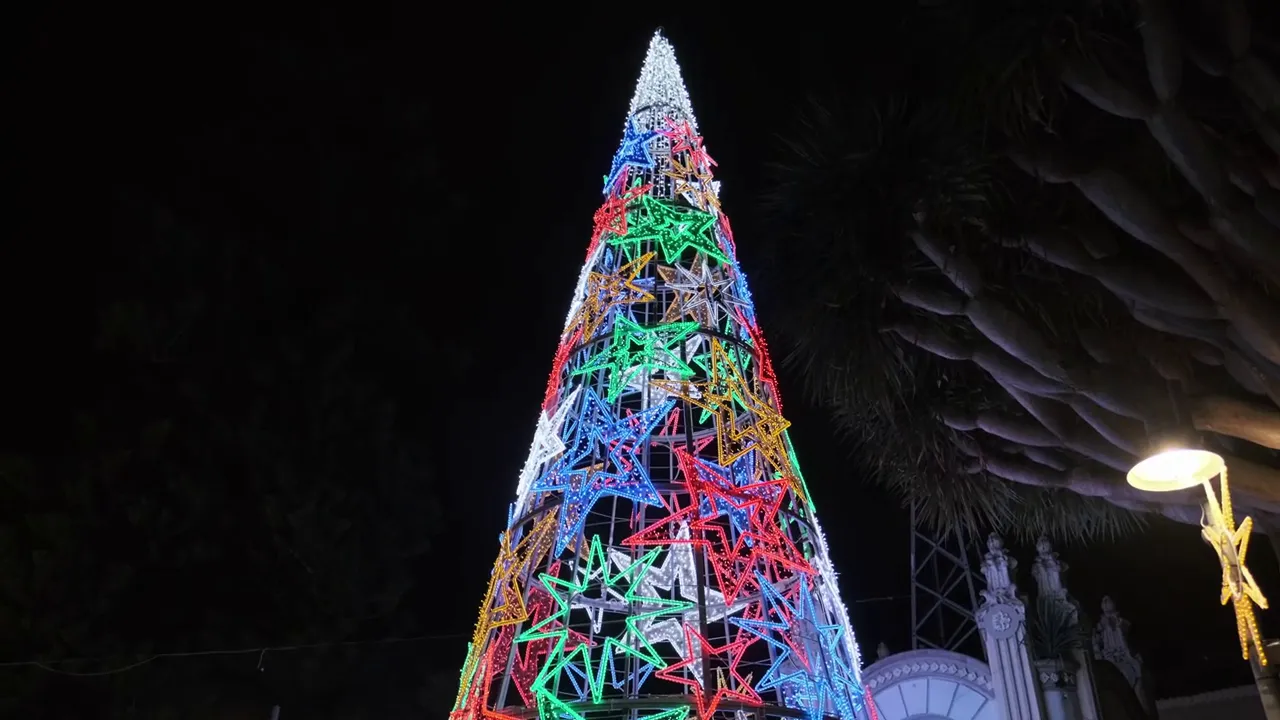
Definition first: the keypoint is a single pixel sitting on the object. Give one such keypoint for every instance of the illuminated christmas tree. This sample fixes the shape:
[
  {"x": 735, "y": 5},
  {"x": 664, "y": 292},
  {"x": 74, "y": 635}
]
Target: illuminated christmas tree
[{"x": 662, "y": 559}]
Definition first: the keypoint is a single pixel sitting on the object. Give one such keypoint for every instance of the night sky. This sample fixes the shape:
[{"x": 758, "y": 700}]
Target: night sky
[{"x": 228, "y": 121}]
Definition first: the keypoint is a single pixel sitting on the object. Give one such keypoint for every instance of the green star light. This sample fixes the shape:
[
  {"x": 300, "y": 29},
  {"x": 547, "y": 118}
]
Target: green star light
[
  {"x": 592, "y": 662},
  {"x": 672, "y": 228},
  {"x": 635, "y": 349}
]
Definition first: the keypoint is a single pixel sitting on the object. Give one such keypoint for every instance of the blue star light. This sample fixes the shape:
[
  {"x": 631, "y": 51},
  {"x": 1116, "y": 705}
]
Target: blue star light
[
  {"x": 634, "y": 150},
  {"x": 808, "y": 668},
  {"x": 739, "y": 476},
  {"x": 601, "y": 458}
]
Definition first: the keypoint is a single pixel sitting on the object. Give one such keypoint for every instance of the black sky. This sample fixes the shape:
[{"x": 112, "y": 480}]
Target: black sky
[{"x": 221, "y": 120}]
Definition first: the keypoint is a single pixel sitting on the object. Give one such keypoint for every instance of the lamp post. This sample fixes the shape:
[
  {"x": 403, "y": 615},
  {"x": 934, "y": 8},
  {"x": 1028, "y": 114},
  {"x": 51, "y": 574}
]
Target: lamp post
[{"x": 1179, "y": 467}]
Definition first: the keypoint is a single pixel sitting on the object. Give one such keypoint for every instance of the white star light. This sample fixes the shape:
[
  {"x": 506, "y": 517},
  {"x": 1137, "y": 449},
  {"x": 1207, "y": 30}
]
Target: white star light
[
  {"x": 547, "y": 445},
  {"x": 661, "y": 83},
  {"x": 702, "y": 293},
  {"x": 678, "y": 568}
]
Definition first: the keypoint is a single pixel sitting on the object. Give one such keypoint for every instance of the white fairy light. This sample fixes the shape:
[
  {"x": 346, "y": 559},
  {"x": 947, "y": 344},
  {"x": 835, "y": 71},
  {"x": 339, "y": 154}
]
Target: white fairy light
[
  {"x": 661, "y": 83},
  {"x": 829, "y": 593},
  {"x": 580, "y": 290},
  {"x": 547, "y": 445}
]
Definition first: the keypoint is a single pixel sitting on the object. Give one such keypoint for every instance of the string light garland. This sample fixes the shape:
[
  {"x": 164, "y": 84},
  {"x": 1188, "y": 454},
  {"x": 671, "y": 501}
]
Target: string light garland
[{"x": 663, "y": 559}]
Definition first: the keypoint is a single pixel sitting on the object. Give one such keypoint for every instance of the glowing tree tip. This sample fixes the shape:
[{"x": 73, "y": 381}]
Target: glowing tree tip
[{"x": 661, "y": 83}]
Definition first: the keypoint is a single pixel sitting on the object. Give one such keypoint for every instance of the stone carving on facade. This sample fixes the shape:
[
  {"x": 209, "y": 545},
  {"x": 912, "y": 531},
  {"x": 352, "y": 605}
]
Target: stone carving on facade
[
  {"x": 1048, "y": 571},
  {"x": 1057, "y": 675},
  {"x": 1111, "y": 643},
  {"x": 1002, "y": 620},
  {"x": 1073, "y": 672},
  {"x": 962, "y": 668}
]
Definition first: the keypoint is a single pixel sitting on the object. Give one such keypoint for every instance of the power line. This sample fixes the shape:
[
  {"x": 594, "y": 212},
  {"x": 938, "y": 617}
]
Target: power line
[{"x": 48, "y": 665}]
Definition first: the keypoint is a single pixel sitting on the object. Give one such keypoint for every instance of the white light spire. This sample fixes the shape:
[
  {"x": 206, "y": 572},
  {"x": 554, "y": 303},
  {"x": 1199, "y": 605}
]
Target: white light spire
[{"x": 660, "y": 82}]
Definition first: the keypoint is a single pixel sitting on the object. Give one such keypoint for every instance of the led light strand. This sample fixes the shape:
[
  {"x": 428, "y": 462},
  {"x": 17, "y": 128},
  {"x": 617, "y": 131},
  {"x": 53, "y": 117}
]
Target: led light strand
[
  {"x": 661, "y": 84},
  {"x": 662, "y": 397}
]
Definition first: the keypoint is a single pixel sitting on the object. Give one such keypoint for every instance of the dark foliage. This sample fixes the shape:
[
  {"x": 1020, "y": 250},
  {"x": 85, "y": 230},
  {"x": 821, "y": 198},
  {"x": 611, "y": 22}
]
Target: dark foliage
[{"x": 924, "y": 145}]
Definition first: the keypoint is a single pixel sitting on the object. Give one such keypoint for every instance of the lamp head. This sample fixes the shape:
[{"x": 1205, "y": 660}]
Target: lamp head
[{"x": 1176, "y": 467}]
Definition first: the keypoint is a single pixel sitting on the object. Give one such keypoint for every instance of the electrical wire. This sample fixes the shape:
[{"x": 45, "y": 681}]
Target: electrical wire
[{"x": 48, "y": 665}]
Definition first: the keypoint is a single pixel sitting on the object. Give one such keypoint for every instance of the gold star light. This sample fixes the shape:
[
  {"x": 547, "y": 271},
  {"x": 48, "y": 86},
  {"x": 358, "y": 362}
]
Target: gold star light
[
  {"x": 721, "y": 394},
  {"x": 605, "y": 291},
  {"x": 1238, "y": 586},
  {"x": 694, "y": 184},
  {"x": 504, "y": 599}
]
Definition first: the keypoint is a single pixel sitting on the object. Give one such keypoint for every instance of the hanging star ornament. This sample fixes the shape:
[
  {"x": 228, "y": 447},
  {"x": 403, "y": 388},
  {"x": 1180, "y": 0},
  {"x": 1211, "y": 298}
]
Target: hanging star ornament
[
  {"x": 695, "y": 186},
  {"x": 527, "y": 664},
  {"x": 610, "y": 219},
  {"x": 1238, "y": 586},
  {"x": 745, "y": 420},
  {"x": 684, "y": 139}
]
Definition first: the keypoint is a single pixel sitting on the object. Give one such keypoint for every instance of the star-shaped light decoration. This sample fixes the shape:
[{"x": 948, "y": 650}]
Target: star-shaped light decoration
[
  {"x": 672, "y": 228},
  {"x": 641, "y": 379},
  {"x": 610, "y": 219},
  {"x": 584, "y": 666},
  {"x": 697, "y": 187},
  {"x": 807, "y": 667},
  {"x": 547, "y": 445},
  {"x": 635, "y": 349},
  {"x": 726, "y": 658},
  {"x": 684, "y": 139},
  {"x": 1238, "y": 586},
  {"x": 473, "y": 702},
  {"x": 604, "y": 292},
  {"x": 634, "y": 151},
  {"x": 736, "y": 561},
  {"x": 600, "y": 458},
  {"x": 735, "y": 557},
  {"x": 526, "y": 664},
  {"x": 759, "y": 426},
  {"x": 677, "y": 571},
  {"x": 739, "y": 481},
  {"x": 503, "y": 602},
  {"x": 701, "y": 293},
  {"x": 580, "y": 289}
]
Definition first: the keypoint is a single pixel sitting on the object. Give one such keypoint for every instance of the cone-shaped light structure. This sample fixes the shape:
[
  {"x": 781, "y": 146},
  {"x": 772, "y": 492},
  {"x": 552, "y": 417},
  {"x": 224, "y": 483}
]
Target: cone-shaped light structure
[{"x": 663, "y": 559}]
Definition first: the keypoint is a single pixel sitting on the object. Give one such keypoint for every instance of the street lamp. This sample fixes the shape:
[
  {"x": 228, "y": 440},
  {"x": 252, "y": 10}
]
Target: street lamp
[{"x": 1179, "y": 465}]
